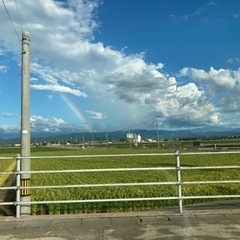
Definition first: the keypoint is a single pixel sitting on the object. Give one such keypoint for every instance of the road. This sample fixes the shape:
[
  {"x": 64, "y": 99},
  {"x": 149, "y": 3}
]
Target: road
[{"x": 220, "y": 220}]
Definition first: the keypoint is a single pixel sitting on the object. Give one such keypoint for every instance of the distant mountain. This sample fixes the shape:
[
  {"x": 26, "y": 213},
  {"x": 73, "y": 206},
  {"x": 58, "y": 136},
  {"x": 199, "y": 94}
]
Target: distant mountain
[{"x": 122, "y": 135}]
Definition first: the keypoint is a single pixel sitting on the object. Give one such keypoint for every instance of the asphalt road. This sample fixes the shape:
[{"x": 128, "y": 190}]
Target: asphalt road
[{"x": 220, "y": 220}]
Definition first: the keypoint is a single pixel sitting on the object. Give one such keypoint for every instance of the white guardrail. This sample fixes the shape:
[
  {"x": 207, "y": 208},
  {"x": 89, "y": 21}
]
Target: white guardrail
[{"x": 179, "y": 183}]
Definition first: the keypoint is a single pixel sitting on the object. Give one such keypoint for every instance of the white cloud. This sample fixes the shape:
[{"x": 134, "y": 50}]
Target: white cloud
[
  {"x": 194, "y": 73},
  {"x": 39, "y": 124},
  {"x": 183, "y": 101},
  {"x": 46, "y": 129},
  {"x": 233, "y": 60},
  {"x": 221, "y": 85},
  {"x": 3, "y": 69},
  {"x": 7, "y": 114},
  {"x": 8, "y": 129},
  {"x": 96, "y": 115},
  {"x": 59, "y": 88},
  {"x": 219, "y": 81},
  {"x": 65, "y": 58},
  {"x": 3, "y": 51},
  {"x": 54, "y": 80}
]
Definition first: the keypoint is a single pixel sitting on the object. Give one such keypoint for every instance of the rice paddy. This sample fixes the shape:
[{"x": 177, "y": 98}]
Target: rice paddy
[{"x": 122, "y": 192}]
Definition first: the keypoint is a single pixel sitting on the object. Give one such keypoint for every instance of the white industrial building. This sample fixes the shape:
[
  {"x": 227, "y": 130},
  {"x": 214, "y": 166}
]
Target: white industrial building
[{"x": 133, "y": 137}]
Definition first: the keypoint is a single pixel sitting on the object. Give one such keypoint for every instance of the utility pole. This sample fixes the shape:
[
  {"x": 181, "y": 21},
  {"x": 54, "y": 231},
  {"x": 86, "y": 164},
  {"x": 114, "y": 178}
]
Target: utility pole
[
  {"x": 189, "y": 131},
  {"x": 92, "y": 140},
  {"x": 25, "y": 125},
  {"x": 106, "y": 139},
  {"x": 157, "y": 125}
]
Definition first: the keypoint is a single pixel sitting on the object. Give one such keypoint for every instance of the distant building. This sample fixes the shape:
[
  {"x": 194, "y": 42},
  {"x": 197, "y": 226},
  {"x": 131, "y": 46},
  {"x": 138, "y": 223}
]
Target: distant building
[{"x": 133, "y": 137}]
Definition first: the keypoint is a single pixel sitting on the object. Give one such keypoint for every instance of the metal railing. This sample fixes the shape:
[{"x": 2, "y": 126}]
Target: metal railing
[{"x": 178, "y": 183}]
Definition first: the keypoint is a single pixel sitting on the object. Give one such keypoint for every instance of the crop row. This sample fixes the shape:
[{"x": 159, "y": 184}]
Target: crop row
[
  {"x": 6, "y": 166},
  {"x": 126, "y": 177},
  {"x": 121, "y": 177}
]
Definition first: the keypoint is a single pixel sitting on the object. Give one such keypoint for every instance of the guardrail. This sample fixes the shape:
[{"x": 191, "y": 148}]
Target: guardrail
[{"x": 178, "y": 183}]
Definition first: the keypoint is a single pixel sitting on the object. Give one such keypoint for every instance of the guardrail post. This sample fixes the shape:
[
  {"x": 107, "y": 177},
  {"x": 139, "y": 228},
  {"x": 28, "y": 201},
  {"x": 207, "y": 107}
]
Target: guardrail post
[
  {"x": 18, "y": 191},
  {"x": 179, "y": 183}
]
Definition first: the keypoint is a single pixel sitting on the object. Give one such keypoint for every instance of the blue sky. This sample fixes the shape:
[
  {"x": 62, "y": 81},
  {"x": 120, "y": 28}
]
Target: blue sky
[{"x": 108, "y": 65}]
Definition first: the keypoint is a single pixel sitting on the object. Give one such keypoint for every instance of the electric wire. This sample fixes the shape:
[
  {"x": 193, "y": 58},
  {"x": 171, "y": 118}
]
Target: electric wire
[
  {"x": 11, "y": 21},
  {"x": 20, "y": 22}
]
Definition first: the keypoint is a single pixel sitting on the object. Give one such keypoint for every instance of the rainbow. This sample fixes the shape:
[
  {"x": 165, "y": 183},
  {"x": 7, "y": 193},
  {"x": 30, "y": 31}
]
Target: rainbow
[{"x": 76, "y": 111}]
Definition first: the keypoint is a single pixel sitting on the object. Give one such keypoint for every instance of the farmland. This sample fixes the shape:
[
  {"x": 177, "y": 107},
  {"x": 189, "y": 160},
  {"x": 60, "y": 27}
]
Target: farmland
[{"x": 149, "y": 161}]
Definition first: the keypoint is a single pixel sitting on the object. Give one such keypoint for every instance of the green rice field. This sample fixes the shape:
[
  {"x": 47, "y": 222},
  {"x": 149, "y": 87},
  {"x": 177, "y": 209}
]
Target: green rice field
[{"x": 151, "y": 161}]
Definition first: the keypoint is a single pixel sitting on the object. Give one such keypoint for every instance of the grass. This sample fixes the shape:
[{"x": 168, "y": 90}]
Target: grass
[
  {"x": 7, "y": 164},
  {"x": 123, "y": 177}
]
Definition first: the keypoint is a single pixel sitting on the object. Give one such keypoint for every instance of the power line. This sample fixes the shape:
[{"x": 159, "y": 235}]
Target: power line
[
  {"x": 18, "y": 15},
  {"x": 11, "y": 21}
]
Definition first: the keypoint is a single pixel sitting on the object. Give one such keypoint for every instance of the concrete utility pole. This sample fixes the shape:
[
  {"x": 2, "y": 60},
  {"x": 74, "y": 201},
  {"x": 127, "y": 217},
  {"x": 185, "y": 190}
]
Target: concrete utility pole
[{"x": 25, "y": 124}]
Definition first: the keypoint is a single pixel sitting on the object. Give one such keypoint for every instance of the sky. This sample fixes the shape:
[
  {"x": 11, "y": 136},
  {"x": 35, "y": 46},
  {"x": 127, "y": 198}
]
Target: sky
[{"x": 112, "y": 65}]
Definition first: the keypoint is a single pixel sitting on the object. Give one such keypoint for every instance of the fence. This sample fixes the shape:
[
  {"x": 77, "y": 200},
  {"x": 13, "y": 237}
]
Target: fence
[{"x": 178, "y": 183}]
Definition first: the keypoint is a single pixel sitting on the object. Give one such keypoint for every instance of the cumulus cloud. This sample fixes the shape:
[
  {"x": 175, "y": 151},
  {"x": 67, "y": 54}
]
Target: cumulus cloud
[
  {"x": 184, "y": 101},
  {"x": 67, "y": 59},
  {"x": 53, "y": 124},
  {"x": 222, "y": 84},
  {"x": 219, "y": 81},
  {"x": 96, "y": 115}
]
